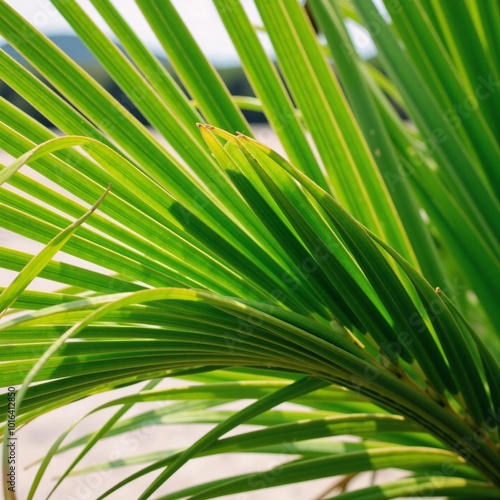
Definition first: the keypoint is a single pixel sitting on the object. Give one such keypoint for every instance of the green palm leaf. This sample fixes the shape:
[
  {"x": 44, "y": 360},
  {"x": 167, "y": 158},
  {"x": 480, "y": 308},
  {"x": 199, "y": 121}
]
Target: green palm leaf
[{"x": 326, "y": 278}]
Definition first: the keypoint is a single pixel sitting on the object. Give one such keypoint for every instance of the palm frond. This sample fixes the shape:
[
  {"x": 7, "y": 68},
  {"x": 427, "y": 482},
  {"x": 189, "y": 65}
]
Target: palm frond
[{"x": 326, "y": 278}]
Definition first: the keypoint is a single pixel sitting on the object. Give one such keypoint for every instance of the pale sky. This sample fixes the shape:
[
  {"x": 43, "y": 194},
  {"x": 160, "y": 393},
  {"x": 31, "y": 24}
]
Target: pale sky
[{"x": 199, "y": 15}]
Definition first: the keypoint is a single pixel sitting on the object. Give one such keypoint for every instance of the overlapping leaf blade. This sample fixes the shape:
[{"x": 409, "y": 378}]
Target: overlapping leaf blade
[{"x": 273, "y": 277}]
